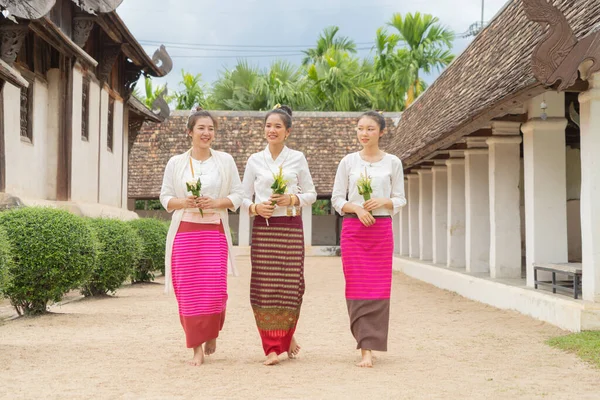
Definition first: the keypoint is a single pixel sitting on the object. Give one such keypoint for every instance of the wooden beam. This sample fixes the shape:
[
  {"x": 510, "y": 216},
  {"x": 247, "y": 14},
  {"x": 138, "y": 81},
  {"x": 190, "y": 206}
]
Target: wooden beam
[
  {"x": 2, "y": 150},
  {"x": 513, "y": 118},
  {"x": 485, "y": 132},
  {"x": 63, "y": 189}
]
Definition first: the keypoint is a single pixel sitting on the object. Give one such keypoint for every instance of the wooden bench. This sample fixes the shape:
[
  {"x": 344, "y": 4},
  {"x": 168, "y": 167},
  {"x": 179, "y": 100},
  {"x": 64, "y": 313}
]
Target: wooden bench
[{"x": 571, "y": 270}]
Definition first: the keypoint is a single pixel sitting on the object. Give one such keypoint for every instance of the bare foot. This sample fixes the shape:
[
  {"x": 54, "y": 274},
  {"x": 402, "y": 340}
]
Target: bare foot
[
  {"x": 367, "y": 359},
  {"x": 271, "y": 359},
  {"x": 198, "y": 358},
  {"x": 294, "y": 348},
  {"x": 210, "y": 347}
]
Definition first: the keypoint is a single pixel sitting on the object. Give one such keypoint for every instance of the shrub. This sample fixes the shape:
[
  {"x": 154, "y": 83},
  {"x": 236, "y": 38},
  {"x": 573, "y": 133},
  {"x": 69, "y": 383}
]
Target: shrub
[
  {"x": 6, "y": 260},
  {"x": 54, "y": 253},
  {"x": 120, "y": 248},
  {"x": 153, "y": 233}
]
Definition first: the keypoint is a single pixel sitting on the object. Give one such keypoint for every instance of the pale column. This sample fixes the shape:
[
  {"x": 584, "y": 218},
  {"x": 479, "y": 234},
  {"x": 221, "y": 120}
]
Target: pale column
[
  {"x": 403, "y": 230},
  {"x": 544, "y": 164},
  {"x": 396, "y": 225},
  {"x": 425, "y": 220},
  {"x": 477, "y": 201},
  {"x": 505, "y": 215},
  {"x": 590, "y": 189},
  {"x": 244, "y": 228},
  {"x": 413, "y": 215},
  {"x": 307, "y": 225},
  {"x": 456, "y": 213},
  {"x": 440, "y": 214}
]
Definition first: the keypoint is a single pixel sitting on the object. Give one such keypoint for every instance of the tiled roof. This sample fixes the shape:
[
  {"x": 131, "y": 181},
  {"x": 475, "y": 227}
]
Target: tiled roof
[
  {"x": 325, "y": 138},
  {"x": 496, "y": 66}
]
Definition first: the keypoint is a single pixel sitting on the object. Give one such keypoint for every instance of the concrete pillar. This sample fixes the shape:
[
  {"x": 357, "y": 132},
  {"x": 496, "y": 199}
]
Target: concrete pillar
[
  {"x": 396, "y": 232},
  {"x": 590, "y": 189},
  {"x": 456, "y": 213},
  {"x": 505, "y": 217},
  {"x": 403, "y": 228},
  {"x": 440, "y": 214},
  {"x": 425, "y": 220},
  {"x": 545, "y": 183},
  {"x": 244, "y": 228},
  {"x": 307, "y": 225},
  {"x": 477, "y": 200},
  {"x": 413, "y": 215}
]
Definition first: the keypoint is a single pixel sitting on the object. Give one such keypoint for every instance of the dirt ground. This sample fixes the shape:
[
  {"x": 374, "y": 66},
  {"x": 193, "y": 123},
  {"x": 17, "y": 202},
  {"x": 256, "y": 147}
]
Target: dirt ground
[{"x": 441, "y": 346}]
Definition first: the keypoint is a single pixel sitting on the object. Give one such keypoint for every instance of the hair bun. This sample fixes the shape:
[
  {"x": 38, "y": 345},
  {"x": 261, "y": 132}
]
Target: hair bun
[
  {"x": 199, "y": 108},
  {"x": 286, "y": 109}
]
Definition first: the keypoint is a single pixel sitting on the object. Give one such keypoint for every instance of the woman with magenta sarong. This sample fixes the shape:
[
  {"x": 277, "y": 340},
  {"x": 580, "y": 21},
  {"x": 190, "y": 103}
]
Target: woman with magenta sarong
[
  {"x": 199, "y": 186},
  {"x": 368, "y": 190}
]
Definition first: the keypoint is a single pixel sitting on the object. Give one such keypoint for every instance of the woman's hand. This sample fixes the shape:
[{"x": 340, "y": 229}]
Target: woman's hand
[
  {"x": 365, "y": 217},
  {"x": 373, "y": 204},
  {"x": 265, "y": 209},
  {"x": 208, "y": 203},
  {"x": 190, "y": 202},
  {"x": 282, "y": 200}
]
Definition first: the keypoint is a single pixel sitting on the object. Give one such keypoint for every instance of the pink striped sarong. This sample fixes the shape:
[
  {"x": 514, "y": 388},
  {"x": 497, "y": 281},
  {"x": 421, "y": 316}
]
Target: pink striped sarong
[
  {"x": 367, "y": 261},
  {"x": 199, "y": 271}
]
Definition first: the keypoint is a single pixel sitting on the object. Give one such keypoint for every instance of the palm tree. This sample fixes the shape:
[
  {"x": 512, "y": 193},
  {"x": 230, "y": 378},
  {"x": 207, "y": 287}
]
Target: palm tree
[
  {"x": 326, "y": 41},
  {"x": 341, "y": 82},
  {"x": 150, "y": 92},
  {"x": 246, "y": 87},
  {"x": 192, "y": 93},
  {"x": 428, "y": 46}
]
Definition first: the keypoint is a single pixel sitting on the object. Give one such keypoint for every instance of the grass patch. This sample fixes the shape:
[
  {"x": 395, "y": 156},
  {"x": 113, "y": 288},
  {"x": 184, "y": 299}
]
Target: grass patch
[{"x": 585, "y": 344}]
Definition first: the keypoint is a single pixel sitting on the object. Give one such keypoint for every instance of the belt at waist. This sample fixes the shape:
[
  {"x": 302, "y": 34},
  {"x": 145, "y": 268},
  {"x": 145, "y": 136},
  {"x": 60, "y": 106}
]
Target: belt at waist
[{"x": 374, "y": 216}]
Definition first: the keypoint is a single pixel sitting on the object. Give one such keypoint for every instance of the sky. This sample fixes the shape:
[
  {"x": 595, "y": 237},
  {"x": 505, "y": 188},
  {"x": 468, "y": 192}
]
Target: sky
[{"x": 208, "y": 36}]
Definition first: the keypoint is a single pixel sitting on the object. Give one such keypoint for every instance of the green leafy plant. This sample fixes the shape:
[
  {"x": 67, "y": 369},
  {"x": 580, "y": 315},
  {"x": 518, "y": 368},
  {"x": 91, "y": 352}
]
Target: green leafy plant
[
  {"x": 364, "y": 186},
  {"x": 6, "y": 260},
  {"x": 153, "y": 233},
  {"x": 279, "y": 185},
  {"x": 194, "y": 187},
  {"x": 119, "y": 252},
  {"x": 55, "y": 252}
]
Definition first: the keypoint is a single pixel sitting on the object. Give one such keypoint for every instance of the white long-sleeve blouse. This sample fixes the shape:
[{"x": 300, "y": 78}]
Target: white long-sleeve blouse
[
  {"x": 387, "y": 181},
  {"x": 258, "y": 178}
]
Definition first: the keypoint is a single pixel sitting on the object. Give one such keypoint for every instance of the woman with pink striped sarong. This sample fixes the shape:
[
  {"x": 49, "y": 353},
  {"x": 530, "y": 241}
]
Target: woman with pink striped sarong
[
  {"x": 198, "y": 250},
  {"x": 367, "y": 241},
  {"x": 277, "y": 250}
]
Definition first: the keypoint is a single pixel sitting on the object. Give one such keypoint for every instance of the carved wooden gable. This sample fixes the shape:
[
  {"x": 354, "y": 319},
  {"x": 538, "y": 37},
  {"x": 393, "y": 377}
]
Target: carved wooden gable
[{"x": 559, "y": 54}]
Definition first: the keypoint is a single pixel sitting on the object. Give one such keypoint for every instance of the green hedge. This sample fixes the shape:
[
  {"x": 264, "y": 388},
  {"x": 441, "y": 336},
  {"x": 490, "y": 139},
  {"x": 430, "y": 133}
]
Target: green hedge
[
  {"x": 55, "y": 252},
  {"x": 120, "y": 249},
  {"x": 153, "y": 233},
  {"x": 6, "y": 259}
]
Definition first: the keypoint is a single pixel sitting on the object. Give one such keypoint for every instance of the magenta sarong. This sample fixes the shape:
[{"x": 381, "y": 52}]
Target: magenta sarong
[
  {"x": 367, "y": 260},
  {"x": 199, "y": 271}
]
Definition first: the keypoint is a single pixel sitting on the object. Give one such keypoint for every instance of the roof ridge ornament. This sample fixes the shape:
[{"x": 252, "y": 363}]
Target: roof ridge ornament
[
  {"x": 161, "y": 55},
  {"x": 26, "y": 9},
  {"x": 97, "y": 6},
  {"x": 557, "y": 57}
]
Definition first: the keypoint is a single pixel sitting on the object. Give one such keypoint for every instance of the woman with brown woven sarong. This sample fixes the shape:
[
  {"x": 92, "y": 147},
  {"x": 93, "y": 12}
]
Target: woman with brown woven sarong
[
  {"x": 277, "y": 249},
  {"x": 367, "y": 240}
]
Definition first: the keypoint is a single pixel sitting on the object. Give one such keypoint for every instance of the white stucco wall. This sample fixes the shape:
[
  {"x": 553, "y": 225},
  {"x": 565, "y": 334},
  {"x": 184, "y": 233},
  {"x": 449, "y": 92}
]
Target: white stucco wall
[
  {"x": 84, "y": 153},
  {"x": 26, "y": 163},
  {"x": 110, "y": 161}
]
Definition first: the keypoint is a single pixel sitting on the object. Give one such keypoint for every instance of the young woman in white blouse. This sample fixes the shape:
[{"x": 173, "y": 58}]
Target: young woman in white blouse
[
  {"x": 198, "y": 250},
  {"x": 277, "y": 251},
  {"x": 367, "y": 240}
]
